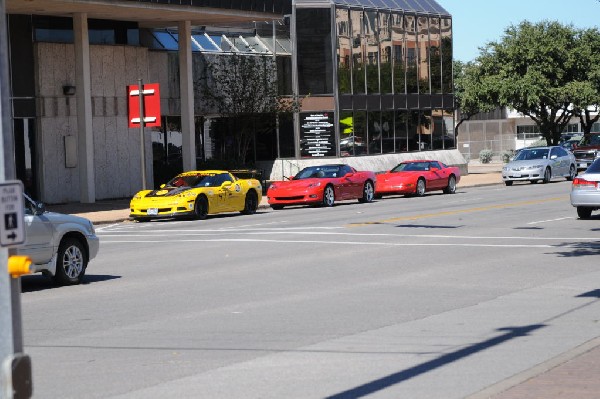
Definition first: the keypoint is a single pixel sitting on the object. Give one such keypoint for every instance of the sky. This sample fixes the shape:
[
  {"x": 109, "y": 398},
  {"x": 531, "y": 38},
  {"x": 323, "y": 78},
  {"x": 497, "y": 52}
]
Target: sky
[{"x": 477, "y": 22}]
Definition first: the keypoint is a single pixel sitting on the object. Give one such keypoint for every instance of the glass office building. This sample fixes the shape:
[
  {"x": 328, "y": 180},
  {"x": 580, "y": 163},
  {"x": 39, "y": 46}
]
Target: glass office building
[{"x": 374, "y": 77}]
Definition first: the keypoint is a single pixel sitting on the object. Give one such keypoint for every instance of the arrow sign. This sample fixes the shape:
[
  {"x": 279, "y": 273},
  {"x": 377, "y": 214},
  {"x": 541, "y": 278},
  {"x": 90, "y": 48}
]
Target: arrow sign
[{"x": 12, "y": 213}]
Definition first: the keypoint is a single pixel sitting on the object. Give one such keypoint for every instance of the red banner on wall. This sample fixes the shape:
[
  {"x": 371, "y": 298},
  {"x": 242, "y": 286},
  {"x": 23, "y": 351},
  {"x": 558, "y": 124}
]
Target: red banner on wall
[{"x": 151, "y": 105}]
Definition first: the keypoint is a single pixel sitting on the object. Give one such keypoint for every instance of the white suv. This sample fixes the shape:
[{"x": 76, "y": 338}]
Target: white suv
[{"x": 60, "y": 246}]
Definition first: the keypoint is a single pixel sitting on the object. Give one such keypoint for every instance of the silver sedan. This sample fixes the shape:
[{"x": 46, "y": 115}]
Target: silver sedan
[
  {"x": 60, "y": 246},
  {"x": 540, "y": 164},
  {"x": 585, "y": 191}
]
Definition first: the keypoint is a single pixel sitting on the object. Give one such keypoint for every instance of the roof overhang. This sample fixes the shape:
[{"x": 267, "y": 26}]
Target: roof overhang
[{"x": 148, "y": 15}]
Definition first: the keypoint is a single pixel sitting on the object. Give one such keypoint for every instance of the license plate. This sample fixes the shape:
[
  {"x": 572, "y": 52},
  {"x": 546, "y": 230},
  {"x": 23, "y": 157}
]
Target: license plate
[
  {"x": 516, "y": 174},
  {"x": 583, "y": 165},
  {"x": 152, "y": 211}
]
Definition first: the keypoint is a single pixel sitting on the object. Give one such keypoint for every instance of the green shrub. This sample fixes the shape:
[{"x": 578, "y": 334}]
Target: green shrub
[
  {"x": 507, "y": 156},
  {"x": 485, "y": 156}
]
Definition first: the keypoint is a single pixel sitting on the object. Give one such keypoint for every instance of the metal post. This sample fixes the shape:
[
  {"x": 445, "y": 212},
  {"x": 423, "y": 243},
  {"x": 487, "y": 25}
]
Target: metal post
[{"x": 142, "y": 143}]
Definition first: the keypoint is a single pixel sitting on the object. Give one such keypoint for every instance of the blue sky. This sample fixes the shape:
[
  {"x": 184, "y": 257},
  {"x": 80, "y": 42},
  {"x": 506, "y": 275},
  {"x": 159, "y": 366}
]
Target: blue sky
[{"x": 477, "y": 22}]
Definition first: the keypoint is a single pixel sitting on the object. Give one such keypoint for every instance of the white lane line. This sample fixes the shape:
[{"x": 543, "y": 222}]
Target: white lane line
[
  {"x": 386, "y": 244},
  {"x": 324, "y": 233},
  {"x": 551, "y": 220}
]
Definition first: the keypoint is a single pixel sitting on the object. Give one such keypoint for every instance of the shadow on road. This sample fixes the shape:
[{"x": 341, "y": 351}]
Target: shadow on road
[{"x": 38, "y": 282}]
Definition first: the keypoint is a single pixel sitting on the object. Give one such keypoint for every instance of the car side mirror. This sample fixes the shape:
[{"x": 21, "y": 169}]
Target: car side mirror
[
  {"x": 349, "y": 174},
  {"x": 433, "y": 169},
  {"x": 39, "y": 209},
  {"x": 226, "y": 184},
  {"x": 553, "y": 157},
  {"x": 162, "y": 185}
]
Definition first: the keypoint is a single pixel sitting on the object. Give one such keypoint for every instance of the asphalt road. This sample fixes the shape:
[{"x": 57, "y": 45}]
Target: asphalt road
[{"x": 434, "y": 297}]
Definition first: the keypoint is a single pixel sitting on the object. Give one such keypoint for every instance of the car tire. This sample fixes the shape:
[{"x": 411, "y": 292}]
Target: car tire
[
  {"x": 71, "y": 262},
  {"x": 201, "y": 208},
  {"x": 250, "y": 203},
  {"x": 276, "y": 207},
  {"x": 583, "y": 212},
  {"x": 572, "y": 173},
  {"x": 420, "y": 189},
  {"x": 451, "y": 187},
  {"x": 328, "y": 196},
  {"x": 508, "y": 183},
  {"x": 368, "y": 192},
  {"x": 547, "y": 176}
]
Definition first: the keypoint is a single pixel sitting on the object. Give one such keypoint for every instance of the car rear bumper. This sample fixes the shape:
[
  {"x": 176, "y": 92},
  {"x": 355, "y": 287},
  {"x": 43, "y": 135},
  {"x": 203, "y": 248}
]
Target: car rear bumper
[{"x": 587, "y": 198}]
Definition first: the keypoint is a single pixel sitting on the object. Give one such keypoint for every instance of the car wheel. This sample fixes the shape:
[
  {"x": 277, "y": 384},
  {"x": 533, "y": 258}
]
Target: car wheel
[
  {"x": 583, "y": 212},
  {"x": 276, "y": 207},
  {"x": 328, "y": 196},
  {"x": 251, "y": 203},
  {"x": 71, "y": 262},
  {"x": 572, "y": 173},
  {"x": 201, "y": 208},
  {"x": 420, "y": 189},
  {"x": 451, "y": 188},
  {"x": 547, "y": 175},
  {"x": 368, "y": 192},
  {"x": 508, "y": 183}
]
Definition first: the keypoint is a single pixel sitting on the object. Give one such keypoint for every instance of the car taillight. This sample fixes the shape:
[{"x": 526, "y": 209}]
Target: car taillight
[{"x": 578, "y": 181}]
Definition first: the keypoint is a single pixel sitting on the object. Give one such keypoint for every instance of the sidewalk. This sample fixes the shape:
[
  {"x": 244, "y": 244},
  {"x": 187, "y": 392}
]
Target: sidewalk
[{"x": 572, "y": 375}]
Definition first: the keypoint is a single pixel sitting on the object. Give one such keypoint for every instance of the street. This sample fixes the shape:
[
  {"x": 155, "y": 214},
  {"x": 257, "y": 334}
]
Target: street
[{"x": 433, "y": 297}]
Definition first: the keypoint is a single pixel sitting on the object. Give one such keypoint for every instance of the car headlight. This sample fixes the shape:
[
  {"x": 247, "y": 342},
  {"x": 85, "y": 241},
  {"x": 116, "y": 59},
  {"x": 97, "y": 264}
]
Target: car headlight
[
  {"x": 505, "y": 168},
  {"x": 137, "y": 196},
  {"x": 315, "y": 184}
]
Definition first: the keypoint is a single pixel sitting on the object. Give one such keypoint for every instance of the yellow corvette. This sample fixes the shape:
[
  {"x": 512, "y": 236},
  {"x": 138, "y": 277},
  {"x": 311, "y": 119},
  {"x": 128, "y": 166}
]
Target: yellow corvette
[{"x": 196, "y": 194}]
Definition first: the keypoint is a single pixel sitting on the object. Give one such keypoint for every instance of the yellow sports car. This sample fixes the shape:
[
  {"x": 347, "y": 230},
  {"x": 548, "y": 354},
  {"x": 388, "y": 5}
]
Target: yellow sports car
[{"x": 196, "y": 194}]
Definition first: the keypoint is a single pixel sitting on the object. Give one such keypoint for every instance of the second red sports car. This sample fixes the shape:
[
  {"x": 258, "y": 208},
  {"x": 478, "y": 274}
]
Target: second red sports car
[
  {"x": 323, "y": 185},
  {"x": 418, "y": 177}
]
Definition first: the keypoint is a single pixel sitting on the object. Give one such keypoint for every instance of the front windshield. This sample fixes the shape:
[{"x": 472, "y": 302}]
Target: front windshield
[
  {"x": 534, "y": 153},
  {"x": 318, "y": 172},
  {"x": 198, "y": 180},
  {"x": 411, "y": 166}
]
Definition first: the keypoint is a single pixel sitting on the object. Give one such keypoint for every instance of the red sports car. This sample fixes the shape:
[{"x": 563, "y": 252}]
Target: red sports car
[
  {"x": 323, "y": 185},
  {"x": 418, "y": 177}
]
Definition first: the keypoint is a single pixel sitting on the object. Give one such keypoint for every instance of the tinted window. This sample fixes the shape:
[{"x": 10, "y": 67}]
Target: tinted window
[{"x": 594, "y": 167}]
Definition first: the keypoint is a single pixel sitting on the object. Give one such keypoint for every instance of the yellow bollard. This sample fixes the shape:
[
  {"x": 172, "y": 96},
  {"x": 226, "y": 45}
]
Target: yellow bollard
[{"x": 18, "y": 265}]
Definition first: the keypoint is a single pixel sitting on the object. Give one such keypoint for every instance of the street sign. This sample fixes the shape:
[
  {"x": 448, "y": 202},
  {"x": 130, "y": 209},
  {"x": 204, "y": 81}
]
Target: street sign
[
  {"x": 151, "y": 104},
  {"x": 12, "y": 219}
]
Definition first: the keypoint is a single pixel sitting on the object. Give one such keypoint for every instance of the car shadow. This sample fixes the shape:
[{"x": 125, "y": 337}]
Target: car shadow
[
  {"x": 428, "y": 226},
  {"x": 577, "y": 249},
  {"x": 38, "y": 282}
]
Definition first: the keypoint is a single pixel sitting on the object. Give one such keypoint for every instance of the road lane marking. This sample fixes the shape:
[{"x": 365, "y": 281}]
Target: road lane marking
[
  {"x": 459, "y": 211},
  {"x": 551, "y": 220},
  {"x": 387, "y": 244}
]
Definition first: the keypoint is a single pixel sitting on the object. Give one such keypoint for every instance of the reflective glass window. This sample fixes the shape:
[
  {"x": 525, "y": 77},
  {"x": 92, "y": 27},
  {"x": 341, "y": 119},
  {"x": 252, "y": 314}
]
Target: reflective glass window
[
  {"x": 315, "y": 66},
  {"x": 374, "y": 132},
  {"x": 344, "y": 50},
  {"x": 399, "y": 53},
  {"x": 387, "y": 132},
  {"x": 358, "y": 56},
  {"x": 435, "y": 55},
  {"x": 446, "y": 35},
  {"x": 346, "y": 133},
  {"x": 371, "y": 26},
  {"x": 401, "y": 135},
  {"x": 423, "y": 54},
  {"x": 411, "y": 54},
  {"x": 385, "y": 52}
]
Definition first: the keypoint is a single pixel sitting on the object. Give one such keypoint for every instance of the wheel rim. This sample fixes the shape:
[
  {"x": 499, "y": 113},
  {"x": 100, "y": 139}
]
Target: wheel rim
[
  {"x": 420, "y": 187},
  {"x": 572, "y": 172},
  {"x": 329, "y": 198},
  {"x": 72, "y": 262},
  {"x": 369, "y": 192}
]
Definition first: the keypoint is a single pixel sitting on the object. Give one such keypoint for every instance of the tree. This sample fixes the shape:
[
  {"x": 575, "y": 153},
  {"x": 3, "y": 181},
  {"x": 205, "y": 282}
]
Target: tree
[
  {"x": 244, "y": 89},
  {"x": 536, "y": 69},
  {"x": 586, "y": 102},
  {"x": 470, "y": 95}
]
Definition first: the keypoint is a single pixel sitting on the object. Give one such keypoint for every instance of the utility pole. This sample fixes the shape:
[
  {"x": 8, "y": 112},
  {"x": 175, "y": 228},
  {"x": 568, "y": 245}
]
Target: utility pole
[{"x": 15, "y": 367}]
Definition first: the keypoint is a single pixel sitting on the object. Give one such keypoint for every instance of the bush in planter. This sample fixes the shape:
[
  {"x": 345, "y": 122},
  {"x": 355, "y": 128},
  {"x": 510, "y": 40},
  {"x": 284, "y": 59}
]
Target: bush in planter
[
  {"x": 485, "y": 156},
  {"x": 507, "y": 156}
]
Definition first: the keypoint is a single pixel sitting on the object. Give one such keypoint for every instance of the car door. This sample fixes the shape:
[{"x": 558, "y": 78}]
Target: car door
[
  {"x": 352, "y": 184},
  {"x": 435, "y": 176},
  {"x": 38, "y": 235},
  {"x": 565, "y": 160}
]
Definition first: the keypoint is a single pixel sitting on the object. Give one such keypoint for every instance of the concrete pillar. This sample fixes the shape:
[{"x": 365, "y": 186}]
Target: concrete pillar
[
  {"x": 83, "y": 87},
  {"x": 186, "y": 85}
]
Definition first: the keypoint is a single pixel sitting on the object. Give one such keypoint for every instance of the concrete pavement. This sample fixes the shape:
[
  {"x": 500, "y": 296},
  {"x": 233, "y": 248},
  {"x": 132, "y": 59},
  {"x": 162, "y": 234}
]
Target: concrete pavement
[{"x": 572, "y": 375}]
